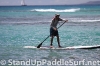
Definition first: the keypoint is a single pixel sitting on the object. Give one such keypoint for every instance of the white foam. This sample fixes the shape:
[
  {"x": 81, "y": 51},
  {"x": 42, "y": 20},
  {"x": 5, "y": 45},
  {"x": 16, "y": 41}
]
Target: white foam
[
  {"x": 29, "y": 47},
  {"x": 90, "y": 20},
  {"x": 55, "y": 10},
  {"x": 83, "y": 20}
]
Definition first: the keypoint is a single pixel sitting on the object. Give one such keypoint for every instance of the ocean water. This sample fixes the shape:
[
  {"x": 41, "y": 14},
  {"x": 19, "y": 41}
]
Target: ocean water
[{"x": 29, "y": 25}]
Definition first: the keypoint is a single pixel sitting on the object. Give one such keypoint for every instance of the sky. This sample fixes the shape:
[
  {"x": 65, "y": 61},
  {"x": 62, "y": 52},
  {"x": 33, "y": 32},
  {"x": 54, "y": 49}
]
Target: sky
[{"x": 44, "y": 2}]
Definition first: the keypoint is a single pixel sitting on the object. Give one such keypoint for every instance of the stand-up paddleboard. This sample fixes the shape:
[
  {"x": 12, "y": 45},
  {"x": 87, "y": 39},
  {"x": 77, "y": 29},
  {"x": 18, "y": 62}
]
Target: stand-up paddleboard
[{"x": 73, "y": 47}]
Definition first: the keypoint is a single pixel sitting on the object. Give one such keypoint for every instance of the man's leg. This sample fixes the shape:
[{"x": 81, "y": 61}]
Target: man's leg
[
  {"x": 51, "y": 41},
  {"x": 58, "y": 40}
]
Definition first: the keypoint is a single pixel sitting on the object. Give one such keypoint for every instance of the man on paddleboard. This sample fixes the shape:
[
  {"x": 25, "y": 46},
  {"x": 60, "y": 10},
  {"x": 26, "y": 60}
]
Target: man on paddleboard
[{"x": 53, "y": 29}]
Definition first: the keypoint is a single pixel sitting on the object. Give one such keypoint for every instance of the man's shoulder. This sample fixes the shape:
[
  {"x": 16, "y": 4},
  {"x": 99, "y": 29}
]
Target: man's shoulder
[{"x": 53, "y": 18}]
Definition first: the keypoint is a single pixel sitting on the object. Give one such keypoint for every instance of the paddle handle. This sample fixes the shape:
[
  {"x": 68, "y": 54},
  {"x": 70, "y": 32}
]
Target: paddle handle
[{"x": 61, "y": 25}]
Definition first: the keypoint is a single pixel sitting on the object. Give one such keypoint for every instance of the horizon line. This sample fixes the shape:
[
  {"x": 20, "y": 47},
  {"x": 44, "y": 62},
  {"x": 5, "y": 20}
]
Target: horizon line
[{"x": 51, "y": 5}]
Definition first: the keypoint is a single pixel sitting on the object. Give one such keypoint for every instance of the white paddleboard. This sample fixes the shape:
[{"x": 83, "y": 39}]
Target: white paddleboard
[{"x": 73, "y": 47}]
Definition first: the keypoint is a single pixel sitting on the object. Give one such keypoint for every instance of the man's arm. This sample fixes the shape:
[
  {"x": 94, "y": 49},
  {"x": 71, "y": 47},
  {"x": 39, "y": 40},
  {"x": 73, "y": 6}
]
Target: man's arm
[{"x": 63, "y": 20}]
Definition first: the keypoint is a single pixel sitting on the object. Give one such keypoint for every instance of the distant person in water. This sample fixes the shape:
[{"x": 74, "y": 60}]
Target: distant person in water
[{"x": 54, "y": 31}]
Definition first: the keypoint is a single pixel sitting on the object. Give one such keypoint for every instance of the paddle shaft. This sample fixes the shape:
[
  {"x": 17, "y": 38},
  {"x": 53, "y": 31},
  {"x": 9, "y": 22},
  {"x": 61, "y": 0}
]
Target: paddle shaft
[{"x": 48, "y": 37}]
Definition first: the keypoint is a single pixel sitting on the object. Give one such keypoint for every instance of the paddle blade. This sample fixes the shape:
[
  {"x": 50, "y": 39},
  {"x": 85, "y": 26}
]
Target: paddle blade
[{"x": 39, "y": 45}]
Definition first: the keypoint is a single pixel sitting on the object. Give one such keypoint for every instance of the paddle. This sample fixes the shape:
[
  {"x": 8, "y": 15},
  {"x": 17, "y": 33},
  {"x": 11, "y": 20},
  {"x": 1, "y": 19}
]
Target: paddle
[{"x": 48, "y": 37}]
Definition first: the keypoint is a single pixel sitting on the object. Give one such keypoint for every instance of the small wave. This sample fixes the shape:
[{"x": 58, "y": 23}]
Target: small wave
[
  {"x": 85, "y": 20},
  {"x": 55, "y": 10},
  {"x": 90, "y": 20},
  {"x": 31, "y": 23}
]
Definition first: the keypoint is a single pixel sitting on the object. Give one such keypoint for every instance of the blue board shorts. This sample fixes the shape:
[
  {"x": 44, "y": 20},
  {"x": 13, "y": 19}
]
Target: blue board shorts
[{"x": 53, "y": 32}]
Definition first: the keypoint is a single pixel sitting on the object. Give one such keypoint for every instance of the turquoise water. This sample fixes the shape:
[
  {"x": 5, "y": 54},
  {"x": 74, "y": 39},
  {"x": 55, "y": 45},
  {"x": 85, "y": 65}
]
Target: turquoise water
[
  {"x": 70, "y": 34},
  {"x": 29, "y": 26}
]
